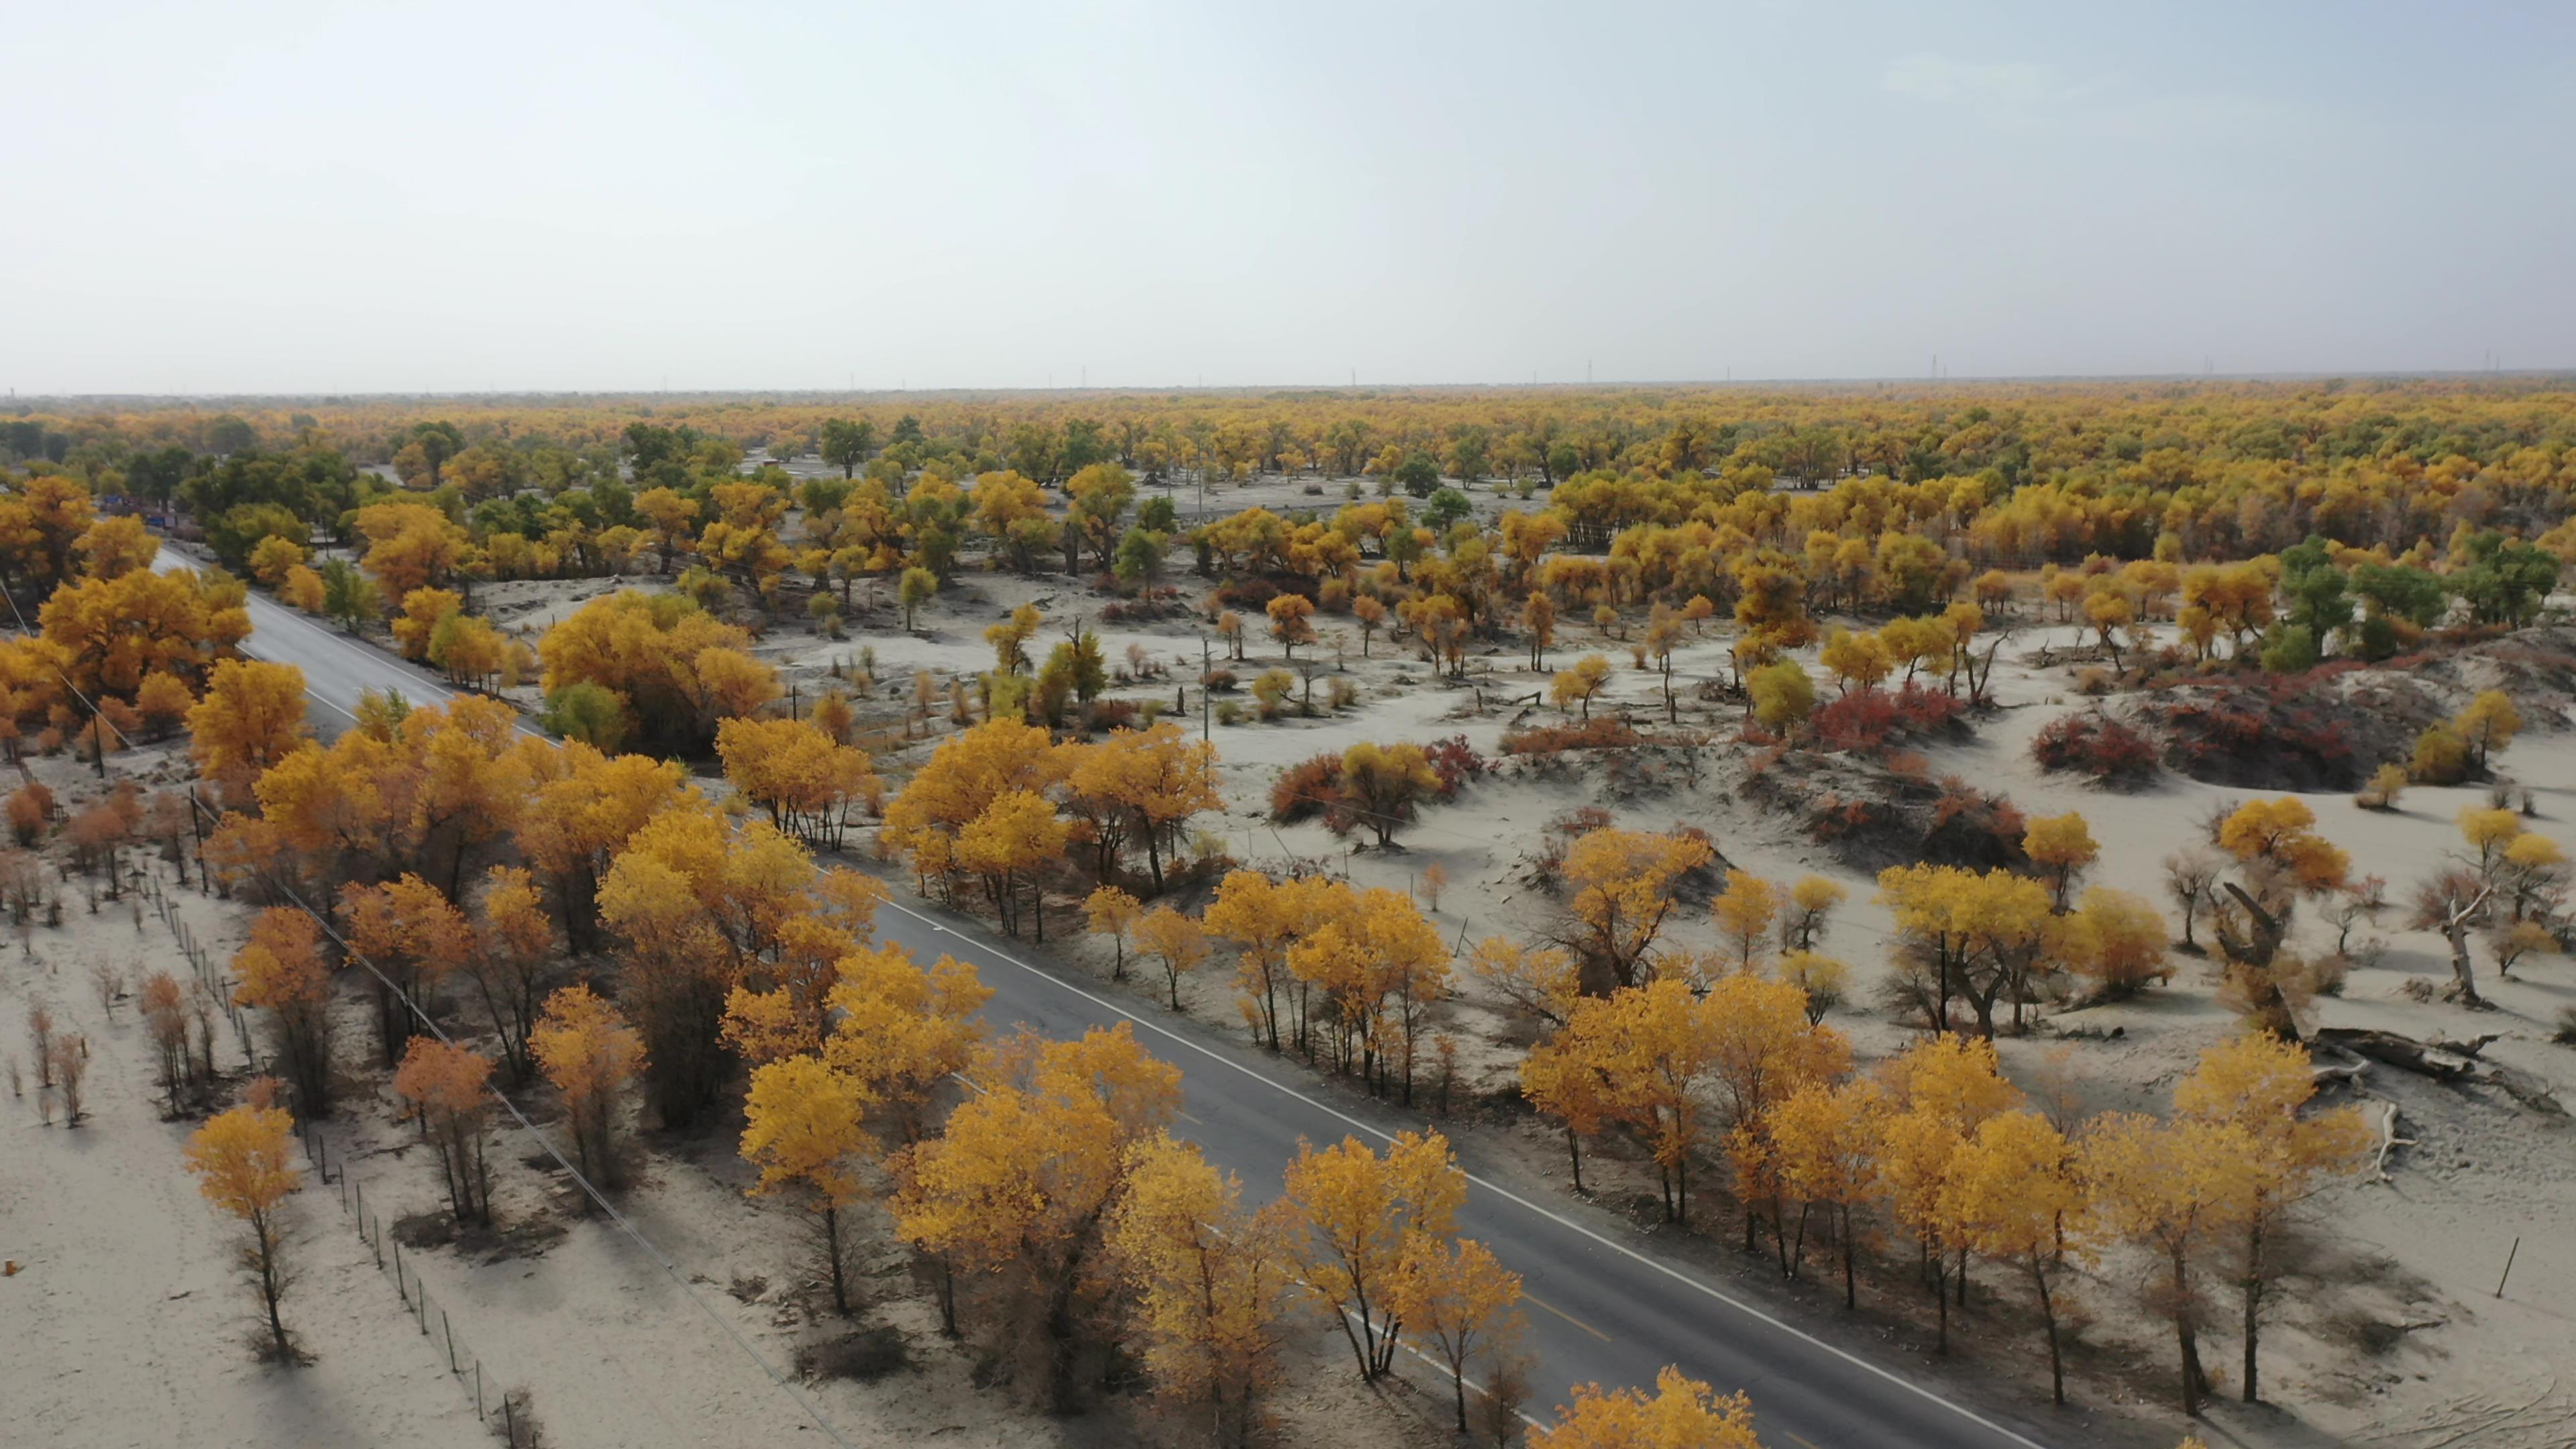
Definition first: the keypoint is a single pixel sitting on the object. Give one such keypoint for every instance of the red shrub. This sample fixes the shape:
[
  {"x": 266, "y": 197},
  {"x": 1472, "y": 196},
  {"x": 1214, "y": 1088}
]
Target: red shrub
[
  {"x": 1306, "y": 790},
  {"x": 1867, "y": 719},
  {"x": 1581, "y": 820},
  {"x": 1455, "y": 761},
  {"x": 2098, "y": 745},
  {"x": 1921, "y": 711},
  {"x": 1110, "y": 714},
  {"x": 1859, "y": 721},
  {"x": 1600, "y": 734}
]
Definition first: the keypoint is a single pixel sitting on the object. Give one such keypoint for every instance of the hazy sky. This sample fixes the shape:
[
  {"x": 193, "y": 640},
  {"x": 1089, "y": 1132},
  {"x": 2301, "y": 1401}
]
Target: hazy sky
[{"x": 294, "y": 196}]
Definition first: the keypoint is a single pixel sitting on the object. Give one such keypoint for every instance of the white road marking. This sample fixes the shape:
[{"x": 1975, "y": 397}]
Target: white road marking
[{"x": 1506, "y": 1194}]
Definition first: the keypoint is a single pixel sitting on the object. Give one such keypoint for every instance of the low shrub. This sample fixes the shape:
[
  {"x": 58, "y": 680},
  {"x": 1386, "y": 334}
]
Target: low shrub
[
  {"x": 2097, "y": 745},
  {"x": 1859, "y": 721},
  {"x": 1455, "y": 761},
  {"x": 1604, "y": 733},
  {"x": 2441, "y": 756},
  {"x": 1111, "y": 714},
  {"x": 1305, "y": 790},
  {"x": 1581, "y": 820},
  {"x": 2275, "y": 736},
  {"x": 1867, "y": 719}
]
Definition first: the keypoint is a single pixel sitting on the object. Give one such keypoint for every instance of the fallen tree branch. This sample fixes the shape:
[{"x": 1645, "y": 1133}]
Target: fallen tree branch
[
  {"x": 2443, "y": 1061},
  {"x": 2438, "y": 1059},
  {"x": 2389, "y": 1141},
  {"x": 2349, "y": 1071},
  {"x": 2525, "y": 1088}
]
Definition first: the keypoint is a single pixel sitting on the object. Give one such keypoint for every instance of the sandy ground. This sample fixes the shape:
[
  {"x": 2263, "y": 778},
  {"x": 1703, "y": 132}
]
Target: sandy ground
[
  {"x": 124, "y": 1268},
  {"x": 126, "y": 1324},
  {"x": 2394, "y": 1338}
]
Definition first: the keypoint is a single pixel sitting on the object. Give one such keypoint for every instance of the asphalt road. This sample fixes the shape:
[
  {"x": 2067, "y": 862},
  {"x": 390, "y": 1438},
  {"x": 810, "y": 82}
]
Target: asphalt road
[
  {"x": 1602, "y": 1306},
  {"x": 337, "y": 669}
]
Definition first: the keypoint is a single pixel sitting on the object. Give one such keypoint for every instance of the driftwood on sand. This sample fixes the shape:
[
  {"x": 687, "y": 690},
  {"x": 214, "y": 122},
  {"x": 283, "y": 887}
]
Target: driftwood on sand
[{"x": 2444, "y": 1061}]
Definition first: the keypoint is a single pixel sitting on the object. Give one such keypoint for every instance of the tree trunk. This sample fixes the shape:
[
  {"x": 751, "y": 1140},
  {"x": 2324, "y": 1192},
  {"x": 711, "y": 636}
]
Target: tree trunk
[
  {"x": 264, "y": 1236},
  {"x": 832, "y": 1245},
  {"x": 2048, "y": 1313},
  {"x": 2253, "y": 1302},
  {"x": 1851, "y": 1283},
  {"x": 2186, "y": 1343},
  {"x": 2455, "y": 929}
]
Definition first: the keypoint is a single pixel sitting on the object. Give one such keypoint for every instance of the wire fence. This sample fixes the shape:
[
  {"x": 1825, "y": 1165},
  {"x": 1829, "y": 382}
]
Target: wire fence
[
  {"x": 277, "y": 888},
  {"x": 201, "y": 964},
  {"x": 505, "y": 1409}
]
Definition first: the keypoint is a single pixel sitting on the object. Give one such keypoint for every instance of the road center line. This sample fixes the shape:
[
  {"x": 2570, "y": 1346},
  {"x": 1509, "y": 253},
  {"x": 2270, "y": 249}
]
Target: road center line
[{"x": 1529, "y": 1297}]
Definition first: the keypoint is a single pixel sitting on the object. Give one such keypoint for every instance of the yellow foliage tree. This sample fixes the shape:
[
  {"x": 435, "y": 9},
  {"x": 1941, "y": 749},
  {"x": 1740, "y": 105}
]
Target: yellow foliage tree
[
  {"x": 1683, "y": 1413},
  {"x": 900, "y": 1032},
  {"x": 1010, "y": 845},
  {"x": 1744, "y": 914},
  {"x": 1539, "y": 983},
  {"x": 1622, "y": 891},
  {"x": 1211, "y": 1280},
  {"x": 1460, "y": 1297},
  {"x": 445, "y": 1085},
  {"x": 244, "y": 1164},
  {"x": 279, "y": 970},
  {"x": 1575, "y": 687},
  {"x": 1357, "y": 1211},
  {"x": 1019, "y": 1188},
  {"x": 251, "y": 717},
  {"x": 2172, "y": 1190},
  {"x": 1175, "y": 942},
  {"x": 1109, "y": 911},
  {"x": 2489, "y": 722},
  {"x": 1823, "y": 1146},
  {"x": 2261, "y": 1086},
  {"x": 2012, "y": 1194},
  {"x": 958, "y": 783},
  {"x": 2062, "y": 848},
  {"x": 801, "y": 1128}
]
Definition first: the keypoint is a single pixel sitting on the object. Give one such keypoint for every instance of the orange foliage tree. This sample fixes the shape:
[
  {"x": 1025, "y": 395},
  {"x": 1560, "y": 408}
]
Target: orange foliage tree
[
  {"x": 445, "y": 1085},
  {"x": 279, "y": 969},
  {"x": 587, "y": 1052}
]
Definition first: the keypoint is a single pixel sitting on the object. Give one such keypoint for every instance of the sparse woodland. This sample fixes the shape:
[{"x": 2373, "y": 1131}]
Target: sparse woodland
[{"x": 660, "y": 918}]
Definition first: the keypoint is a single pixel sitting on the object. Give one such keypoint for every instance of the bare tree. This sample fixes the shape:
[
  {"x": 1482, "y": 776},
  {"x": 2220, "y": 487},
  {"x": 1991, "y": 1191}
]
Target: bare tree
[
  {"x": 108, "y": 980},
  {"x": 40, "y": 1035},
  {"x": 2455, "y": 903},
  {"x": 2192, "y": 877},
  {"x": 71, "y": 1064}
]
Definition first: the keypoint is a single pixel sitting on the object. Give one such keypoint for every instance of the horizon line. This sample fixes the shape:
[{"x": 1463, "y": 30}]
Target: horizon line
[{"x": 1607, "y": 385}]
